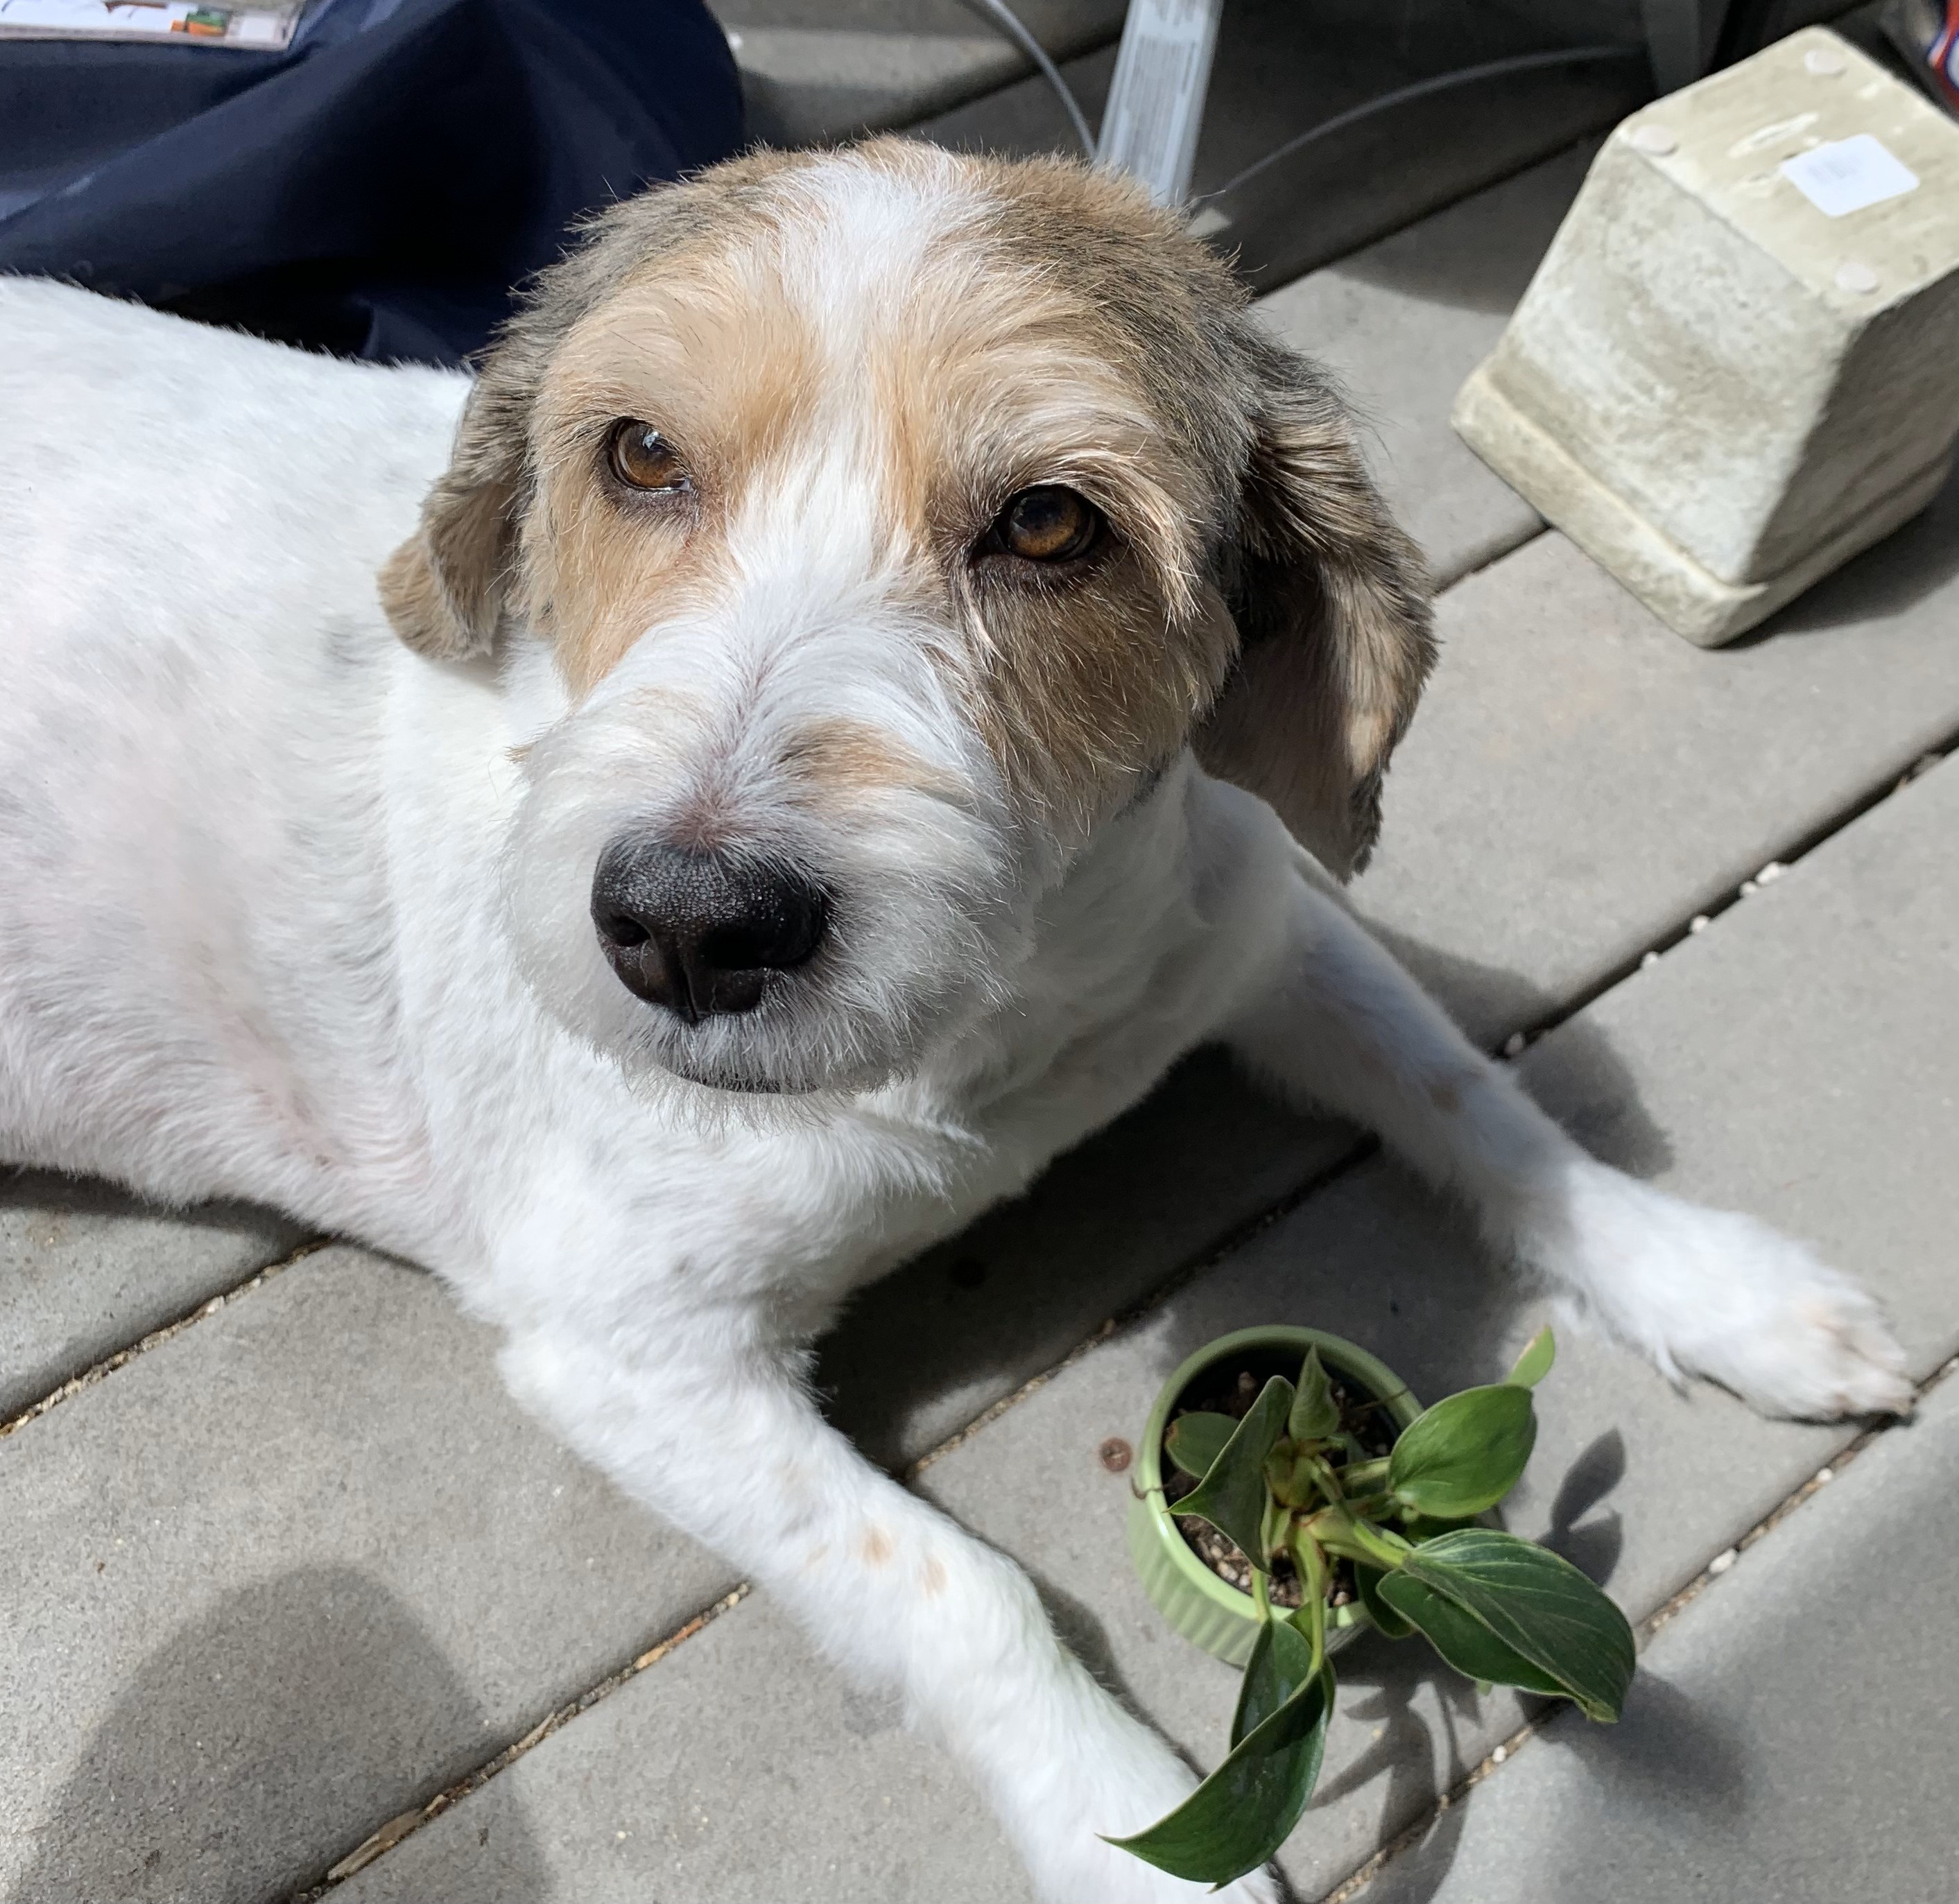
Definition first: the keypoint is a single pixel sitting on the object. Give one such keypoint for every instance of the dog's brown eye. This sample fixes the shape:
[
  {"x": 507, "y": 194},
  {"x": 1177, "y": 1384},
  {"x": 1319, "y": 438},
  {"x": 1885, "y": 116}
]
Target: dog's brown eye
[
  {"x": 1049, "y": 524},
  {"x": 643, "y": 459}
]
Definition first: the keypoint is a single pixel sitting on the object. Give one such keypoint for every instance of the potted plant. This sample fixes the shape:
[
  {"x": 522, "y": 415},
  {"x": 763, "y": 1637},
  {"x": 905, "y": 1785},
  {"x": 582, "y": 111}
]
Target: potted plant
[{"x": 1338, "y": 1502}]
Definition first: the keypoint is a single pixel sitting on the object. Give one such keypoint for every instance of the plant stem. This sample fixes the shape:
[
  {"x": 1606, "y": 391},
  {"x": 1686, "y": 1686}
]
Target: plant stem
[
  {"x": 1358, "y": 1476},
  {"x": 1338, "y": 1530},
  {"x": 1312, "y": 1565},
  {"x": 1324, "y": 1477}
]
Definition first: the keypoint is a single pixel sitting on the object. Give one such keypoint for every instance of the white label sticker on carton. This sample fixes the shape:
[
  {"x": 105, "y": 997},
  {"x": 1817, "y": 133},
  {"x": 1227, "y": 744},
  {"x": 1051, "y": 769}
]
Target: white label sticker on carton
[
  {"x": 1156, "y": 99},
  {"x": 1848, "y": 175}
]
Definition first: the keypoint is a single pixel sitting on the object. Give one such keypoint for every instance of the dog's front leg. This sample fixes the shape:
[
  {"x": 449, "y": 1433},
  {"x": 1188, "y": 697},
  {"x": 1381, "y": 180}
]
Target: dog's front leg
[
  {"x": 1705, "y": 1291},
  {"x": 720, "y": 1438}
]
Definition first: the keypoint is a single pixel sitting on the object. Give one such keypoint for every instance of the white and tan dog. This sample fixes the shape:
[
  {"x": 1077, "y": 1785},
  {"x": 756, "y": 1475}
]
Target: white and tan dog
[{"x": 883, "y": 632}]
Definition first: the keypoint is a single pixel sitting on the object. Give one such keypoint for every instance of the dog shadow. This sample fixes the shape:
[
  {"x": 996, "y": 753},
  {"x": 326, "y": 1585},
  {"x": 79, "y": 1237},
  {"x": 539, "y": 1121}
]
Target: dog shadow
[
  {"x": 1123, "y": 1218},
  {"x": 225, "y": 1767}
]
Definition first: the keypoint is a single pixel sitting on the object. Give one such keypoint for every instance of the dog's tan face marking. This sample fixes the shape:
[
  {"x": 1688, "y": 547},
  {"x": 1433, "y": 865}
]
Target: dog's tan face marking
[
  {"x": 973, "y": 375},
  {"x": 847, "y": 756}
]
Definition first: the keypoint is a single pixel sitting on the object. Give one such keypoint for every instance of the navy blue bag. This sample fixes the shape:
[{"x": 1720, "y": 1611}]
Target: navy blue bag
[{"x": 375, "y": 189}]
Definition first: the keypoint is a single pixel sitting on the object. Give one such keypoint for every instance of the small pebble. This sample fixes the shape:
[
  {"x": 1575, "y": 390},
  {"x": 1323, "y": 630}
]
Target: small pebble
[
  {"x": 1513, "y": 1044},
  {"x": 1655, "y": 139},
  {"x": 1722, "y": 1562},
  {"x": 1857, "y": 277},
  {"x": 1826, "y": 1473},
  {"x": 1824, "y": 61},
  {"x": 1770, "y": 873},
  {"x": 1699, "y": 923},
  {"x": 1115, "y": 1454},
  {"x": 1502, "y": 1752},
  {"x": 1748, "y": 886},
  {"x": 1647, "y": 960}
]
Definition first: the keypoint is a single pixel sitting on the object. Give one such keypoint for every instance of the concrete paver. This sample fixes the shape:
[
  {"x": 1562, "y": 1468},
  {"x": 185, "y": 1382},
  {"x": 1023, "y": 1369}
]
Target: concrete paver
[
  {"x": 717, "y": 1778},
  {"x": 1403, "y": 322},
  {"x": 86, "y": 1270},
  {"x": 1623, "y": 780},
  {"x": 1745, "y": 1069},
  {"x": 285, "y": 1575},
  {"x": 1791, "y": 1734}
]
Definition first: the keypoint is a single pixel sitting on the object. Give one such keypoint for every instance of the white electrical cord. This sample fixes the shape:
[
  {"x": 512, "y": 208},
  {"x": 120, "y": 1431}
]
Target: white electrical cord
[
  {"x": 1009, "y": 24},
  {"x": 1422, "y": 89}
]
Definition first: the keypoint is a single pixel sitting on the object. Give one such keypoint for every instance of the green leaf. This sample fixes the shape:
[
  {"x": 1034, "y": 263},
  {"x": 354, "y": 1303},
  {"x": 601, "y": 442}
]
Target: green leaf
[
  {"x": 1315, "y": 1413},
  {"x": 1387, "y": 1622},
  {"x": 1539, "y": 1606},
  {"x": 1465, "y": 1454},
  {"x": 1195, "y": 1441},
  {"x": 1281, "y": 1664},
  {"x": 1232, "y": 1495},
  {"x": 1460, "y": 1638},
  {"x": 1534, "y": 1363},
  {"x": 1235, "y": 1820},
  {"x": 1423, "y": 1527}
]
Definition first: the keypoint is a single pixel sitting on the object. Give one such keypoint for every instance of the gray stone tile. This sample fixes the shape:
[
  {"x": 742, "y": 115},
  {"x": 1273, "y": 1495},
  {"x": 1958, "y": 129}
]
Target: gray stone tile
[
  {"x": 1403, "y": 322},
  {"x": 1578, "y": 779},
  {"x": 817, "y": 70},
  {"x": 737, "y": 1769},
  {"x": 1797, "y": 1058},
  {"x": 282, "y": 1576},
  {"x": 85, "y": 1270},
  {"x": 1793, "y": 1734}
]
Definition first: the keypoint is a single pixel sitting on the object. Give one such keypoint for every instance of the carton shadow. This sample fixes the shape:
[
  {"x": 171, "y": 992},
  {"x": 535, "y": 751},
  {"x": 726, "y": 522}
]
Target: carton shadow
[{"x": 1889, "y": 578}]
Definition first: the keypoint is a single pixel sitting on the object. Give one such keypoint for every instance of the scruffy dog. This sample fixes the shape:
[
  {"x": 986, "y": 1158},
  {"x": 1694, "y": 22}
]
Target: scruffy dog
[{"x": 889, "y": 654}]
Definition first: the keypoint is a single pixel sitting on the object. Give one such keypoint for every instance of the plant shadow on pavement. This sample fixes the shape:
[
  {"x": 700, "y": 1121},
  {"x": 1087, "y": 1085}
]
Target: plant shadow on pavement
[
  {"x": 1667, "y": 1756},
  {"x": 260, "y": 1744}
]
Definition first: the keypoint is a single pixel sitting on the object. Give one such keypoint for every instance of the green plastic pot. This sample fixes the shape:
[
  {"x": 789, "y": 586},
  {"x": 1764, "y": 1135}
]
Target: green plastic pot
[{"x": 1209, "y": 1612}]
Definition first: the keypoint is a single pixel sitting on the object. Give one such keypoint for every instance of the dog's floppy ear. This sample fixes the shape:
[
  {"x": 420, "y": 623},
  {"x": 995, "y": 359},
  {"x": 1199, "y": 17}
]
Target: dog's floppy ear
[
  {"x": 444, "y": 588},
  {"x": 1332, "y": 609}
]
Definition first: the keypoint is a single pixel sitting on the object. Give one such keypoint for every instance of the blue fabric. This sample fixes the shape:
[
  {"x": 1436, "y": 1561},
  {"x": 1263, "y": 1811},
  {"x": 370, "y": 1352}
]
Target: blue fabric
[{"x": 377, "y": 189}]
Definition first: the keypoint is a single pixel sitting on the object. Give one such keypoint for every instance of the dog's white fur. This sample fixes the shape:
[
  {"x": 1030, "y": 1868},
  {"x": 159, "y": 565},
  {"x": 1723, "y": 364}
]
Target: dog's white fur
[{"x": 290, "y": 913}]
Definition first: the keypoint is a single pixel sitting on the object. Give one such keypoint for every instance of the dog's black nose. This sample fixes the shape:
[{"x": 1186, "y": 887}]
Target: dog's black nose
[{"x": 700, "y": 932}]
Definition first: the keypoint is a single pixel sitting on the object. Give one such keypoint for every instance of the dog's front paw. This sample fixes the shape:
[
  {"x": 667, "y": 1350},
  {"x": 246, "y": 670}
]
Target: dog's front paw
[
  {"x": 1793, "y": 1337},
  {"x": 1714, "y": 1294}
]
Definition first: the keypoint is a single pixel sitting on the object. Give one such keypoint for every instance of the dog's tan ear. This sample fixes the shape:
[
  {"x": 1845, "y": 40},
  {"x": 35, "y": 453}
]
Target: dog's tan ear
[
  {"x": 1332, "y": 607},
  {"x": 444, "y": 588}
]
